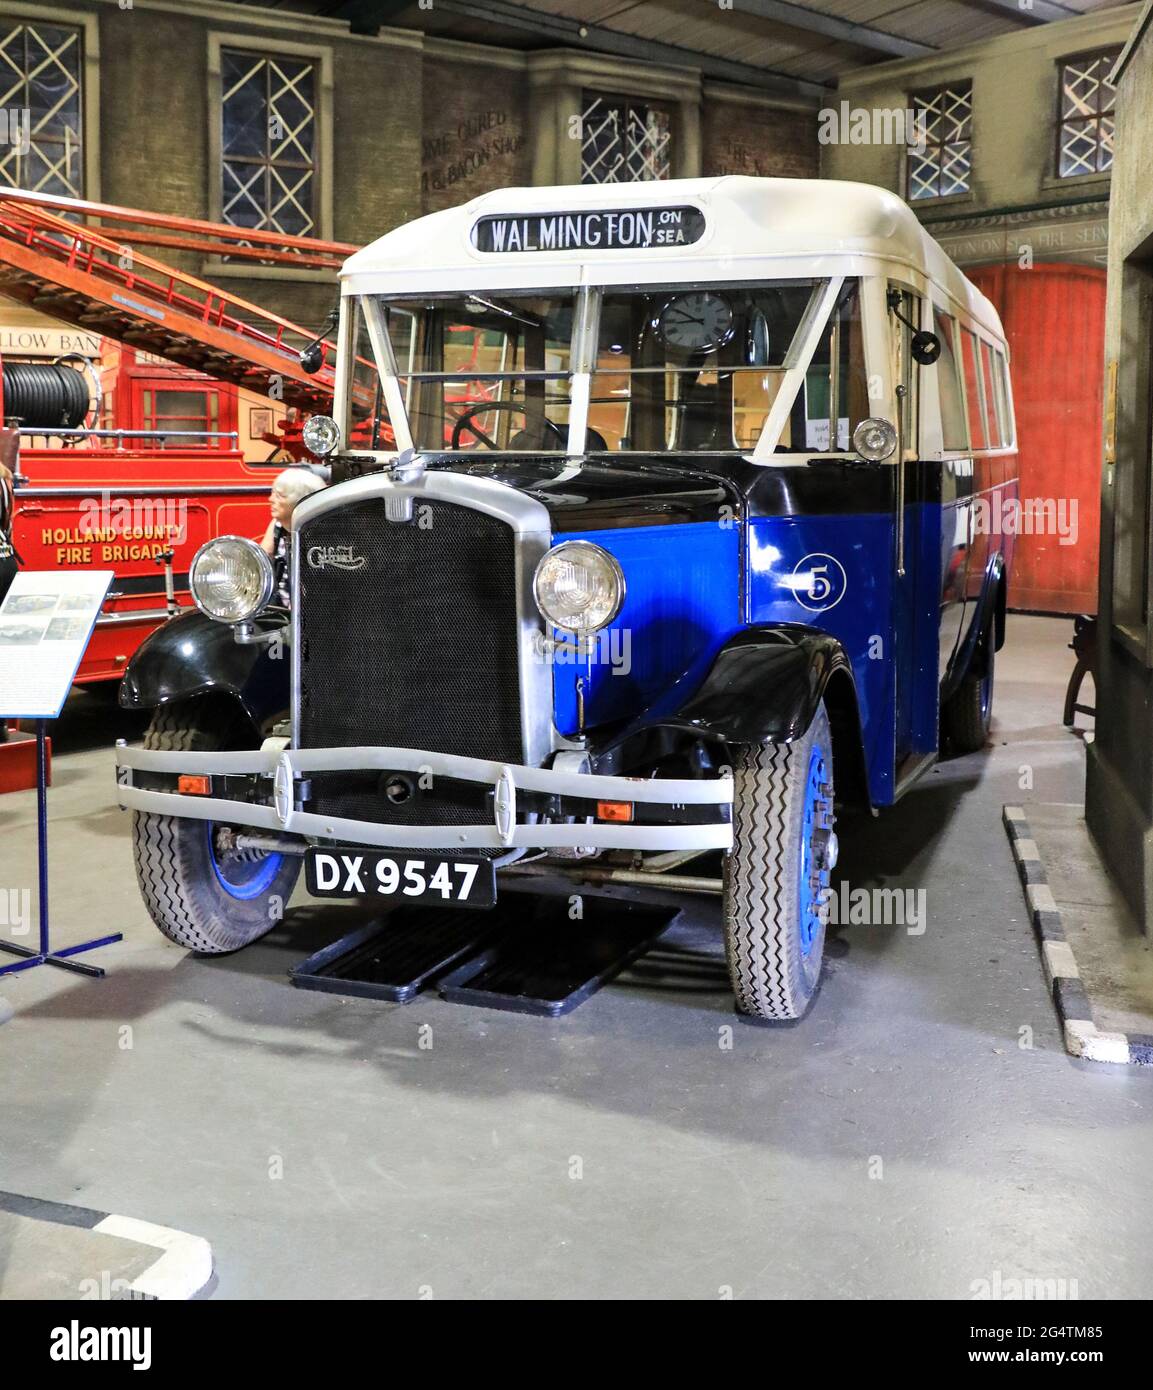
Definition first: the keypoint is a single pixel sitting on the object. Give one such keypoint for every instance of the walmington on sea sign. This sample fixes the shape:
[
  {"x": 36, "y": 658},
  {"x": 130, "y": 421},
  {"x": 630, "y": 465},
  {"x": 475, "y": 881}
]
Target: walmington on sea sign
[{"x": 618, "y": 229}]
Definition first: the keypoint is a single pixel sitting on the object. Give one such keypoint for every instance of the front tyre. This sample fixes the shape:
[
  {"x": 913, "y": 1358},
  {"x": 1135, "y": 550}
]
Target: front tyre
[
  {"x": 199, "y": 889},
  {"x": 777, "y": 874}
]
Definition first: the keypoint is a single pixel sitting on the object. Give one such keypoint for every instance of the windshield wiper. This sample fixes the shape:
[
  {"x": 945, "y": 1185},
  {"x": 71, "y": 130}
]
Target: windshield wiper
[{"x": 505, "y": 311}]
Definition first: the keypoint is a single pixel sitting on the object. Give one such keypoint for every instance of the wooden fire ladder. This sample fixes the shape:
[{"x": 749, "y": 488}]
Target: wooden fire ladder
[{"x": 98, "y": 279}]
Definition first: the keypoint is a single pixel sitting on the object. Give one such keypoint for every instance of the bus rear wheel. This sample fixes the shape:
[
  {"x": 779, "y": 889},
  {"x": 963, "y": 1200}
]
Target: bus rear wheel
[
  {"x": 968, "y": 712},
  {"x": 778, "y": 871}
]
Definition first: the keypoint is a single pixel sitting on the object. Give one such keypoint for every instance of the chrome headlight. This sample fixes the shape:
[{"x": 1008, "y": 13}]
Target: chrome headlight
[
  {"x": 579, "y": 587},
  {"x": 321, "y": 435},
  {"x": 874, "y": 439},
  {"x": 231, "y": 579}
]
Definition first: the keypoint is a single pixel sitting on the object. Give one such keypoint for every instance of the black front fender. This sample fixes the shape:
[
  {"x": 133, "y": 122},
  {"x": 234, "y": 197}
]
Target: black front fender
[
  {"x": 989, "y": 617},
  {"x": 192, "y": 655},
  {"x": 765, "y": 686}
]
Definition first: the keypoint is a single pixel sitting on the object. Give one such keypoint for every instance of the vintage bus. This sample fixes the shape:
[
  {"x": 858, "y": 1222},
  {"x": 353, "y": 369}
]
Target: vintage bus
[{"x": 688, "y": 532}]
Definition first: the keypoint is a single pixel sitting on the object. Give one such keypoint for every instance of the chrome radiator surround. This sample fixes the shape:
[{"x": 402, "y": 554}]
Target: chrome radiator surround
[{"x": 529, "y": 521}]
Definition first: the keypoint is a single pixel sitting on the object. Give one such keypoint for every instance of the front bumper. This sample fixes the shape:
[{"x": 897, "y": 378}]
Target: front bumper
[{"x": 279, "y": 782}]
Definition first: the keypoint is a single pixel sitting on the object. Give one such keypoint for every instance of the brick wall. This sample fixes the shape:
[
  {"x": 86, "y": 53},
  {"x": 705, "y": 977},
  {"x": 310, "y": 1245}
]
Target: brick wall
[
  {"x": 377, "y": 114},
  {"x": 153, "y": 110},
  {"x": 154, "y": 123},
  {"x": 474, "y": 135},
  {"x": 738, "y": 137}
]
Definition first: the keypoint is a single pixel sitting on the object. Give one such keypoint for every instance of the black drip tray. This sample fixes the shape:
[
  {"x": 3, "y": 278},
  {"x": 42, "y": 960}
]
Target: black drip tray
[
  {"x": 543, "y": 963},
  {"x": 397, "y": 956},
  {"x": 525, "y": 955}
]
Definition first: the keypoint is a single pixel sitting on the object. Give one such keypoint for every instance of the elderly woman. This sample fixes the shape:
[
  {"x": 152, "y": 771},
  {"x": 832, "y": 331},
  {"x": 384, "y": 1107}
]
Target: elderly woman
[{"x": 290, "y": 487}]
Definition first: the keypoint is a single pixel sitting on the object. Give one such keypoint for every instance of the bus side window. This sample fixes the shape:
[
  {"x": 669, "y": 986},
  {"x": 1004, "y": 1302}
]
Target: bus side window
[
  {"x": 978, "y": 431},
  {"x": 998, "y": 425},
  {"x": 953, "y": 434},
  {"x": 1003, "y": 397}
]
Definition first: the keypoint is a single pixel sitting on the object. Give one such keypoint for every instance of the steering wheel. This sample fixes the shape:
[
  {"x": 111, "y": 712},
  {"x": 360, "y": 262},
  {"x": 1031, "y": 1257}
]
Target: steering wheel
[{"x": 465, "y": 419}]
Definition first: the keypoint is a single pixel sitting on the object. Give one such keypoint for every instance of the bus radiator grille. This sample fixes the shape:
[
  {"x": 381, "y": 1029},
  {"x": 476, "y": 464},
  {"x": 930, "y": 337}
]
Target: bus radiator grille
[{"x": 408, "y": 638}]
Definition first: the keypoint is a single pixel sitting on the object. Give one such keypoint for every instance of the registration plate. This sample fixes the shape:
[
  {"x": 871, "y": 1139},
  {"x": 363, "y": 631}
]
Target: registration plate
[{"x": 360, "y": 873}]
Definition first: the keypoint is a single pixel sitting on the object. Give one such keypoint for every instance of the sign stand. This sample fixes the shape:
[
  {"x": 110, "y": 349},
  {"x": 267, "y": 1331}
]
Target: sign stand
[
  {"x": 45, "y": 956},
  {"x": 46, "y": 620}
]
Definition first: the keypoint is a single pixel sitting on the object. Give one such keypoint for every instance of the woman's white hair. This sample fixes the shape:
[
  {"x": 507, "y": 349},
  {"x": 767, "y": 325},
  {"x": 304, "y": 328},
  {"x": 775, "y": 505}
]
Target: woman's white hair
[{"x": 294, "y": 484}]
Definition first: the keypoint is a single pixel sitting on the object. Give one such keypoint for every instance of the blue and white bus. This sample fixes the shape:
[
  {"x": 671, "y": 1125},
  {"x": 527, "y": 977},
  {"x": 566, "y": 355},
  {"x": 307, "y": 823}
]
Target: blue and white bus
[{"x": 655, "y": 530}]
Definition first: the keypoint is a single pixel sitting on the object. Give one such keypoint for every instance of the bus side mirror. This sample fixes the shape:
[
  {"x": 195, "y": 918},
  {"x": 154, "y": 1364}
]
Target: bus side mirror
[
  {"x": 312, "y": 354},
  {"x": 925, "y": 347}
]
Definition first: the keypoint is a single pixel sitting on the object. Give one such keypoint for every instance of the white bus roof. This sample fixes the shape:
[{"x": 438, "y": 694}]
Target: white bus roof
[{"x": 752, "y": 229}]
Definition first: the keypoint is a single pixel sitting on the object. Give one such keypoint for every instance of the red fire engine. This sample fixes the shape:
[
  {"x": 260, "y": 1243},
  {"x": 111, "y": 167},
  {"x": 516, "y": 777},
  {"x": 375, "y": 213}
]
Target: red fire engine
[{"x": 137, "y": 483}]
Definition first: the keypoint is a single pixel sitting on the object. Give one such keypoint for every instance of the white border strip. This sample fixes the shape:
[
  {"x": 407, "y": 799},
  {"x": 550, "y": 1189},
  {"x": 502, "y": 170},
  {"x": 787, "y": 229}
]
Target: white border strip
[
  {"x": 1082, "y": 1036},
  {"x": 182, "y": 1268}
]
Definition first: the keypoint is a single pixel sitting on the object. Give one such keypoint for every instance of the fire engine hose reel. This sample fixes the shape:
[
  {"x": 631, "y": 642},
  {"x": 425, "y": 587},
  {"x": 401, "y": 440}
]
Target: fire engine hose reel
[{"x": 42, "y": 395}]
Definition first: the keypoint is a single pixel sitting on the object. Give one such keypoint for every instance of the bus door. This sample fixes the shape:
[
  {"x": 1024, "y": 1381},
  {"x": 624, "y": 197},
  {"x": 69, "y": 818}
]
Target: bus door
[
  {"x": 956, "y": 488},
  {"x": 982, "y": 426},
  {"x": 916, "y": 546}
]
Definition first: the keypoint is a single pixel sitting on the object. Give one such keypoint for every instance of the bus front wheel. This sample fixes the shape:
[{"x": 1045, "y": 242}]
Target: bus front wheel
[
  {"x": 777, "y": 875},
  {"x": 200, "y": 889}
]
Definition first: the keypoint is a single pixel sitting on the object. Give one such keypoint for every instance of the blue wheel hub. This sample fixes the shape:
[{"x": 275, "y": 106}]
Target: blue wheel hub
[
  {"x": 242, "y": 873},
  {"x": 818, "y": 846}
]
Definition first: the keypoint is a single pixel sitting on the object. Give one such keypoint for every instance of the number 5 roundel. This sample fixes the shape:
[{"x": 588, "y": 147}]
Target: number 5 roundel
[{"x": 819, "y": 582}]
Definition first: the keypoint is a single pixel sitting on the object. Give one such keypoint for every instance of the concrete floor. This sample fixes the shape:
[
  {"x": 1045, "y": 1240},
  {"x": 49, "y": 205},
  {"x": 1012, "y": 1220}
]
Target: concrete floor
[{"x": 899, "y": 1142}]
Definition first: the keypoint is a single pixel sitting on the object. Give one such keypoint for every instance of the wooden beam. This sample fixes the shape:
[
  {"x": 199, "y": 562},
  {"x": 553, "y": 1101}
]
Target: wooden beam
[
  {"x": 832, "y": 27},
  {"x": 573, "y": 33},
  {"x": 1029, "y": 14}
]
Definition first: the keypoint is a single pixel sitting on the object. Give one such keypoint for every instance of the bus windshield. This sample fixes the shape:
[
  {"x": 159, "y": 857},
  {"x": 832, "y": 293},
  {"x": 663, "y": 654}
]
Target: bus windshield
[{"x": 631, "y": 369}]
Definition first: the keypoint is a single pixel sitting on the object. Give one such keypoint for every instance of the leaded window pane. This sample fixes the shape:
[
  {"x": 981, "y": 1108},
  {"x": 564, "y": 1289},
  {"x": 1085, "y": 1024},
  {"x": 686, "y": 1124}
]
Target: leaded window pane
[
  {"x": 1088, "y": 98},
  {"x": 42, "y": 104},
  {"x": 945, "y": 166},
  {"x": 268, "y": 179},
  {"x": 956, "y": 166},
  {"x": 624, "y": 141}
]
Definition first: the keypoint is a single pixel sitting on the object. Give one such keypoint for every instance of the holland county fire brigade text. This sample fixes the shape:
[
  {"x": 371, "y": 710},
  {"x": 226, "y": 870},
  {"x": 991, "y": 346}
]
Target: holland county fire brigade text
[{"x": 78, "y": 547}]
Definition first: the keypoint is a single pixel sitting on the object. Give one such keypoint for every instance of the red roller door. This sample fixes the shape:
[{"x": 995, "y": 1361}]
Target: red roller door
[{"x": 1054, "y": 317}]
